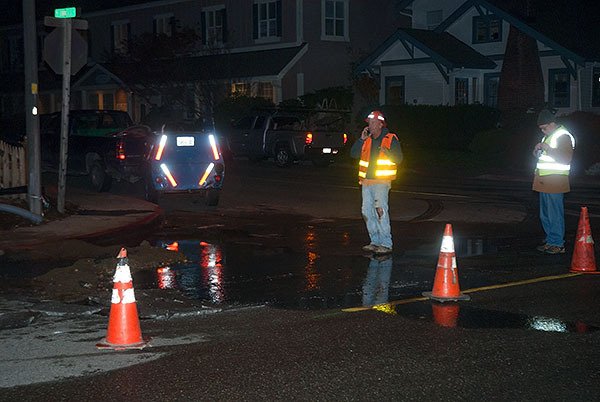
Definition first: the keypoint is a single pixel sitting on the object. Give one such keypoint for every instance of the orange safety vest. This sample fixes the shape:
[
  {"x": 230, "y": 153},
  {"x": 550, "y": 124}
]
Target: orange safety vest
[{"x": 385, "y": 169}]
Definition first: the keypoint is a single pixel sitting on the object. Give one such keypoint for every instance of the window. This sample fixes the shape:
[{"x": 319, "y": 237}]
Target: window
[
  {"x": 487, "y": 29},
  {"x": 100, "y": 100},
  {"x": 335, "y": 19},
  {"x": 596, "y": 87},
  {"x": 394, "y": 91},
  {"x": 163, "y": 24},
  {"x": 461, "y": 91},
  {"x": 474, "y": 90},
  {"x": 265, "y": 90},
  {"x": 240, "y": 89},
  {"x": 267, "y": 19},
  {"x": 434, "y": 18},
  {"x": 214, "y": 22},
  {"x": 559, "y": 87},
  {"x": 120, "y": 36},
  {"x": 490, "y": 89}
]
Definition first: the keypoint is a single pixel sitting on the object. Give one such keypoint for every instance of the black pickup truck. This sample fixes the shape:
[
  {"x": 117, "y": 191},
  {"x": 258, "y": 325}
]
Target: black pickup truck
[
  {"x": 287, "y": 137},
  {"x": 104, "y": 144}
]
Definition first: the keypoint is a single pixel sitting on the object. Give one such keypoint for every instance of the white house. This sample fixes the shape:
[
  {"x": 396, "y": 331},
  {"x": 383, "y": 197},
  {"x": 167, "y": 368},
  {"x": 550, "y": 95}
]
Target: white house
[{"x": 454, "y": 51}]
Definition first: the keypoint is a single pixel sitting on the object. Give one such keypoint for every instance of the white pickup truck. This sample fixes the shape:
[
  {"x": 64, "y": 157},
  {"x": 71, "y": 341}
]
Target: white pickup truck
[{"x": 288, "y": 137}]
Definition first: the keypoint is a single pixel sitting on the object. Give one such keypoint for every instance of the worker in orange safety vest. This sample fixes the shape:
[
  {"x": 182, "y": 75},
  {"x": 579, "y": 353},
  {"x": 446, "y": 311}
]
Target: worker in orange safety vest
[{"x": 380, "y": 154}]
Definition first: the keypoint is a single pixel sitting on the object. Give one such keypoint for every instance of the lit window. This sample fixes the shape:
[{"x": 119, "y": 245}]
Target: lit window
[
  {"x": 335, "y": 19},
  {"x": 265, "y": 90},
  {"x": 487, "y": 29},
  {"x": 240, "y": 89}
]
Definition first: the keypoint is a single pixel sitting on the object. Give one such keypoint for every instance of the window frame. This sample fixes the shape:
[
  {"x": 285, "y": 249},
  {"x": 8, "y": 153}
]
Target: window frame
[
  {"x": 595, "y": 101},
  {"x": 552, "y": 74},
  {"x": 388, "y": 85},
  {"x": 487, "y": 20},
  {"x": 465, "y": 92},
  {"x": 168, "y": 22},
  {"x": 206, "y": 15},
  {"x": 273, "y": 24},
  {"x": 346, "y": 21},
  {"x": 122, "y": 46}
]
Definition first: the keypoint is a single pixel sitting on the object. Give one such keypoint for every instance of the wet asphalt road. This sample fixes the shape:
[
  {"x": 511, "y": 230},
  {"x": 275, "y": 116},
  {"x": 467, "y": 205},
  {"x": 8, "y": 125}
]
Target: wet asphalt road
[{"x": 313, "y": 335}]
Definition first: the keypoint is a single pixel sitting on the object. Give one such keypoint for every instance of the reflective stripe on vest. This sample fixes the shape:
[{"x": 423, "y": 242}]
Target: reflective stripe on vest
[
  {"x": 547, "y": 165},
  {"x": 385, "y": 169}
]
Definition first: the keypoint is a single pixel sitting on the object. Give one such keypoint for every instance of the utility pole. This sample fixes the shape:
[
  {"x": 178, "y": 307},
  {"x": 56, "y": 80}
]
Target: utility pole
[{"x": 32, "y": 122}]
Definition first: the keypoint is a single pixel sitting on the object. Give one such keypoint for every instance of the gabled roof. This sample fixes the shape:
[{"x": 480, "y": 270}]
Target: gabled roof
[
  {"x": 442, "y": 47},
  {"x": 243, "y": 65}
]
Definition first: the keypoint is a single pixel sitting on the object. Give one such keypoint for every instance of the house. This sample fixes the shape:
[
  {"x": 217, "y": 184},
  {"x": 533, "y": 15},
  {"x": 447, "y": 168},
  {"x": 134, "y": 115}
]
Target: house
[
  {"x": 455, "y": 51},
  {"x": 270, "y": 48}
]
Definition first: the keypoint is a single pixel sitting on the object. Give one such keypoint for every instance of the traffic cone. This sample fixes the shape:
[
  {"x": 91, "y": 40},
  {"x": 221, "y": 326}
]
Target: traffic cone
[
  {"x": 445, "y": 314},
  {"x": 445, "y": 284},
  {"x": 583, "y": 255},
  {"x": 123, "y": 323}
]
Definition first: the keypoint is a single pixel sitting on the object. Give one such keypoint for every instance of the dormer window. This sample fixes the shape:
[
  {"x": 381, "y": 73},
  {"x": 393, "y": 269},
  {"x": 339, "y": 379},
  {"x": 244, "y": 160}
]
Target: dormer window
[{"x": 487, "y": 29}]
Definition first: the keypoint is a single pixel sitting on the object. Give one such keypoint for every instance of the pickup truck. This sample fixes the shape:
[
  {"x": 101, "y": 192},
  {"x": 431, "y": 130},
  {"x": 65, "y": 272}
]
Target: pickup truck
[
  {"x": 104, "y": 144},
  {"x": 287, "y": 137}
]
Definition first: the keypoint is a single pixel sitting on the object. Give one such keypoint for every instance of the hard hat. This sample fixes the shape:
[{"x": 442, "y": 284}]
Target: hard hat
[{"x": 376, "y": 114}]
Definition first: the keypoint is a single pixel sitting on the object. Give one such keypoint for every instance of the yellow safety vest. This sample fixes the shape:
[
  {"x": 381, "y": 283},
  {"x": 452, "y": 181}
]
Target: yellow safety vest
[
  {"x": 386, "y": 169},
  {"x": 546, "y": 164}
]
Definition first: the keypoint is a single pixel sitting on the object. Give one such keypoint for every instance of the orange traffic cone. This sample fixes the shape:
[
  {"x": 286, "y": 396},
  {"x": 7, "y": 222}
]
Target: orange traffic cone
[
  {"x": 583, "y": 255},
  {"x": 445, "y": 284},
  {"x": 445, "y": 315},
  {"x": 123, "y": 323}
]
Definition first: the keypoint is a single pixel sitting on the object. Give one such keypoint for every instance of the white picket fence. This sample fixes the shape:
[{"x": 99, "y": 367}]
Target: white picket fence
[{"x": 13, "y": 167}]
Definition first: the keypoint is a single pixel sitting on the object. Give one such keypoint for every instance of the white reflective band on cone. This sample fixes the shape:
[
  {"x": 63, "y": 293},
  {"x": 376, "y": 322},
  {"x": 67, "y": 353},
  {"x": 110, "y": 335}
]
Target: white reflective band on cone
[
  {"x": 454, "y": 262},
  {"x": 128, "y": 296},
  {"x": 448, "y": 245},
  {"x": 115, "y": 299},
  {"x": 586, "y": 239},
  {"x": 122, "y": 274}
]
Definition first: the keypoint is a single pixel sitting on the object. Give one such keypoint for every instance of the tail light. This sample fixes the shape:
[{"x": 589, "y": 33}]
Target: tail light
[
  {"x": 121, "y": 150},
  {"x": 161, "y": 147},
  {"x": 345, "y": 138},
  {"x": 309, "y": 138}
]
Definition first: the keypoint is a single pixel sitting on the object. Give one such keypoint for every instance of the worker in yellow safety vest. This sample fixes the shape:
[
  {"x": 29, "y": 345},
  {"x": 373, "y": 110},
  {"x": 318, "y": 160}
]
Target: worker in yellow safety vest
[
  {"x": 380, "y": 154},
  {"x": 551, "y": 180}
]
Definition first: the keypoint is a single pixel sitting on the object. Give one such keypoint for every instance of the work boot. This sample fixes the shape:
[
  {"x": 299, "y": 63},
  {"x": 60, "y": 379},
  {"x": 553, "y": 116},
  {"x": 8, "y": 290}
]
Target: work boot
[
  {"x": 369, "y": 247},
  {"x": 542, "y": 247},
  {"x": 555, "y": 250},
  {"x": 382, "y": 250}
]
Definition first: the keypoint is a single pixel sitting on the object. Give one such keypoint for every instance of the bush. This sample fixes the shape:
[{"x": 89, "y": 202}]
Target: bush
[{"x": 450, "y": 127}]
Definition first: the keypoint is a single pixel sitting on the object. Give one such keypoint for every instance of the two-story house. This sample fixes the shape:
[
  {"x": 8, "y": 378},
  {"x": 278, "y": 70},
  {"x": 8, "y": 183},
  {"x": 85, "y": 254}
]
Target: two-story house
[
  {"x": 455, "y": 51},
  {"x": 270, "y": 48}
]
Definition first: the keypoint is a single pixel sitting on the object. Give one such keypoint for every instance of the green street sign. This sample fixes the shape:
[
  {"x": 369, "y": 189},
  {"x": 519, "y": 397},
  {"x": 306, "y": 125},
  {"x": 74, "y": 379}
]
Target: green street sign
[{"x": 69, "y": 12}]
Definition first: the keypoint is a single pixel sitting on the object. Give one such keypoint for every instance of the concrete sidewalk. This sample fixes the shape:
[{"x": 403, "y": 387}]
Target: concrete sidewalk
[{"x": 98, "y": 215}]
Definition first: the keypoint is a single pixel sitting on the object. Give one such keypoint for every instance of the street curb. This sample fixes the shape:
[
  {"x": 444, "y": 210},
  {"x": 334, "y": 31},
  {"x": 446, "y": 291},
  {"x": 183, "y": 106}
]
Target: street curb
[{"x": 145, "y": 221}]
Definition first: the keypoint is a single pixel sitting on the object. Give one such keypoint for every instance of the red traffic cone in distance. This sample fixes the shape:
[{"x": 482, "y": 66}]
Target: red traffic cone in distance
[
  {"x": 445, "y": 283},
  {"x": 123, "y": 324},
  {"x": 583, "y": 259}
]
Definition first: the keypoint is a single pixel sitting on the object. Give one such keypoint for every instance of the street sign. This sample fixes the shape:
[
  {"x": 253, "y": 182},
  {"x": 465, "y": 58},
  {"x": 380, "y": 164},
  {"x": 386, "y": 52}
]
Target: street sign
[
  {"x": 53, "y": 51},
  {"x": 69, "y": 12}
]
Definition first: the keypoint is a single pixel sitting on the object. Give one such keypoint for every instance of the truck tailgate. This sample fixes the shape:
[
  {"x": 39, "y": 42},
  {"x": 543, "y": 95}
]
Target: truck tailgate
[{"x": 327, "y": 139}]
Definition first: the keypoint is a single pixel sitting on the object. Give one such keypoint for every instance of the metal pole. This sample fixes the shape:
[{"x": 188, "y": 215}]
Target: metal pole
[
  {"x": 32, "y": 122},
  {"x": 64, "y": 130}
]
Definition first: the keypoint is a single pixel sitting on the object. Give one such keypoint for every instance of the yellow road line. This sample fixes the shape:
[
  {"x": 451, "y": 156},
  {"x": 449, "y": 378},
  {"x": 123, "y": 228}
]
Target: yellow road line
[{"x": 480, "y": 289}]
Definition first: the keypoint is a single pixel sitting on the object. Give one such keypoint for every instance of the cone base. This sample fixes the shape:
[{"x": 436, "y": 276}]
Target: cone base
[
  {"x": 584, "y": 271},
  {"x": 103, "y": 344},
  {"x": 460, "y": 297}
]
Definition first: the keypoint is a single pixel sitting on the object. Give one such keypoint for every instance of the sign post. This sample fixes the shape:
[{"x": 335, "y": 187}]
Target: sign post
[{"x": 66, "y": 23}]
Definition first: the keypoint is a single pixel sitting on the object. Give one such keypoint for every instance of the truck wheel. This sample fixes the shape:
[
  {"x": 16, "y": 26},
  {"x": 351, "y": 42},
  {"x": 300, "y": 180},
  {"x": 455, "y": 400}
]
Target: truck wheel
[
  {"x": 150, "y": 193},
  {"x": 283, "y": 157},
  {"x": 212, "y": 197},
  {"x": 100, "y": 180}
]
